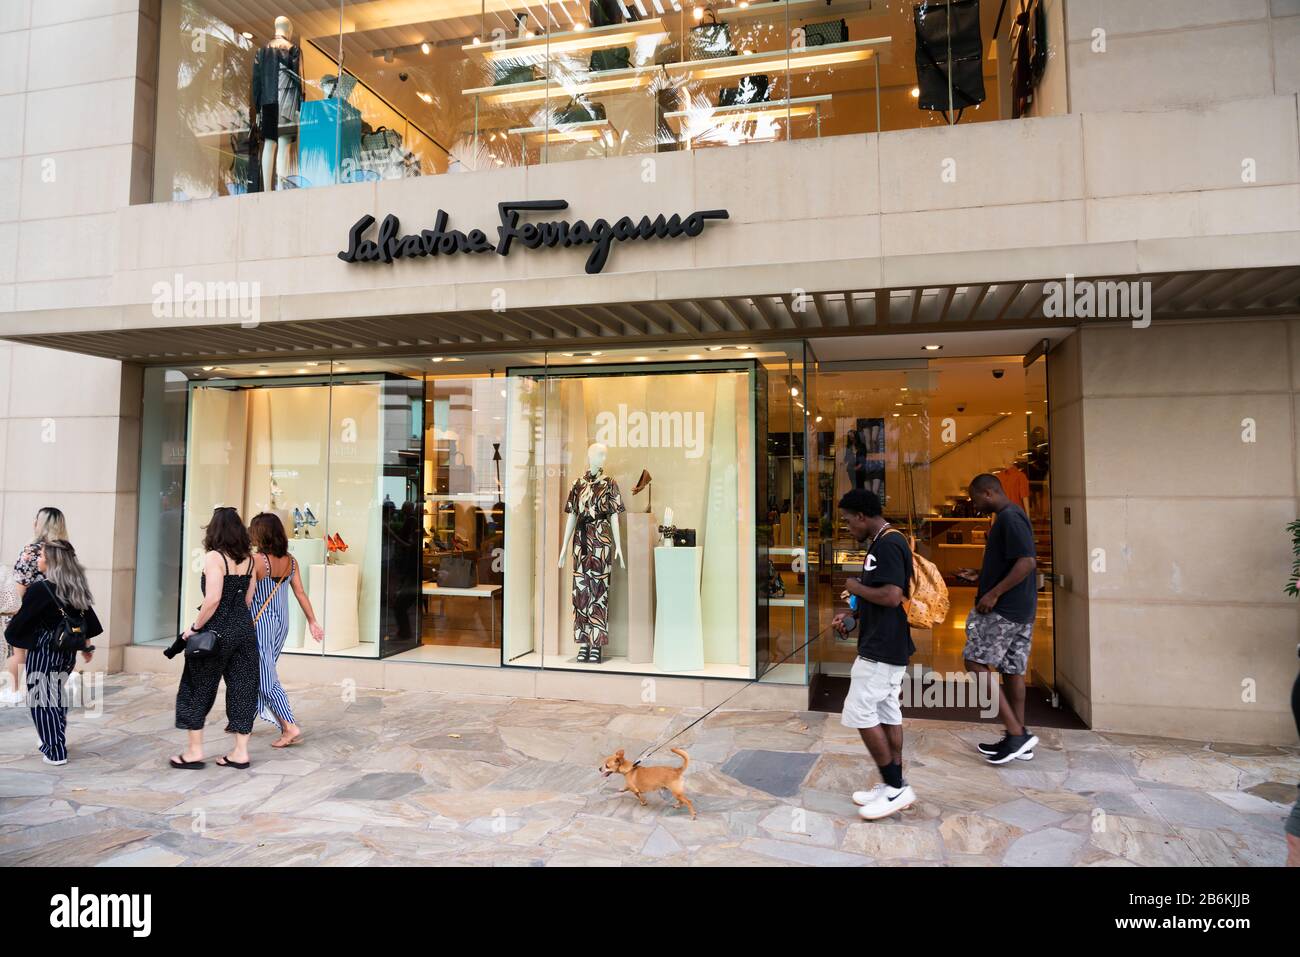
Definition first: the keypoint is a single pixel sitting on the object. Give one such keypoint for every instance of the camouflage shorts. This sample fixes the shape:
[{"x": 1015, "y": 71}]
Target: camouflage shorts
[{"x": 994, "y": 641}]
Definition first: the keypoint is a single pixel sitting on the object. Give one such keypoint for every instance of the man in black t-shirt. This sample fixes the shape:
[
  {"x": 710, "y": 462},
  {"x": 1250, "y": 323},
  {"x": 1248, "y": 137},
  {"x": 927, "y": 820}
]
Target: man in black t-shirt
[
  {"x": 884, "y": 645},
  {"x": 1000, "y": 627}
]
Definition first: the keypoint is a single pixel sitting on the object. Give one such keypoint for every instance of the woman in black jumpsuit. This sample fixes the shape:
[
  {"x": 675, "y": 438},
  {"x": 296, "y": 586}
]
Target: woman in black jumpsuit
[{"x": 226, "y": 612}]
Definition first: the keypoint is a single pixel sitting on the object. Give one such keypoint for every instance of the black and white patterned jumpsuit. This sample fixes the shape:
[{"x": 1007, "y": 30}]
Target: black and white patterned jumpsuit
[{"x": 236, "y": 661}]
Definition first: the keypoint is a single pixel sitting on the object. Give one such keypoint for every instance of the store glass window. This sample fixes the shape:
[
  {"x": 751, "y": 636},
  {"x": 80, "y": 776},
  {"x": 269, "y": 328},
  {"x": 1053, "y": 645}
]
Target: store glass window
[
  {"x": 639, "y": 514},
  {"x": 256, "y": 97}
]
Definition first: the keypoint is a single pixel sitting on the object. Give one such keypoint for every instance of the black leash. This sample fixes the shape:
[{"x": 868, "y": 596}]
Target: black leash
[{"x": 743, "y": 687}]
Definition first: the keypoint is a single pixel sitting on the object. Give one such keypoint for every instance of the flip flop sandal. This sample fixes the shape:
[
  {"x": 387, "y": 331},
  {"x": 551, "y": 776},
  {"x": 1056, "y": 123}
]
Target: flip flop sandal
[
  {"x": 288, "y": 744},
  {"x": 225, "y": 762},
  {"x": 180, "y": 764}
]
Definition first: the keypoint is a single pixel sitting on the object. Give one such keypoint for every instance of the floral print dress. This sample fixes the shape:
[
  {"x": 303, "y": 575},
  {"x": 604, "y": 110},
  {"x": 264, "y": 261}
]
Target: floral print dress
[{"x": 595, "y": 500}]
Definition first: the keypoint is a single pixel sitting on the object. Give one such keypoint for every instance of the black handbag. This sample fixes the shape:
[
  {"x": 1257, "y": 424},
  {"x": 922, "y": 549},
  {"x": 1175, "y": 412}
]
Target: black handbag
[
  {"x": 751, "y": 89},
  {"x": 619, "y": 58},
  {"x": 381, "y": 139},
  {"x": 939, "y": 25},
  {"x": 456, "y": 571},
  {"x": 70, "y": 632},
  {"x": 201, "y": 644},
  {"x": 580, "y": 111},
  {"x": 684, "y": 538},
  {"x": 828, "y": 31},
  {"x": 710, "y": 40},
  {"x": 513, "y": 72}
]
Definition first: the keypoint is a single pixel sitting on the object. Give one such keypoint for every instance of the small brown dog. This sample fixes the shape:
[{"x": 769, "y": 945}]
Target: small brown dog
[{"x": 642, "y": 779}]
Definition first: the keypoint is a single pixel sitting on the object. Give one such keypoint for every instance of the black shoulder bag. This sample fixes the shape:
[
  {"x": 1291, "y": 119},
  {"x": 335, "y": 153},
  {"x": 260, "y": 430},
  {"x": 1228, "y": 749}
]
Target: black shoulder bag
[{"x": 70, "y": 632}]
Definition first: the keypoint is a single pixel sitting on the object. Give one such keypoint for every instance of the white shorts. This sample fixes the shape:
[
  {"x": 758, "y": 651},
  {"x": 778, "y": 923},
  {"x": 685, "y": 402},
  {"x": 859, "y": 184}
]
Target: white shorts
[{"x": 873, "y": 695}]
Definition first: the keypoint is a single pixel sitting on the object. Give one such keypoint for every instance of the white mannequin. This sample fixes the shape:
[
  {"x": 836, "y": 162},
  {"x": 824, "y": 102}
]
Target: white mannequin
[
  {"x": 276, "y": 153},
  {"x": 596, "y": 455}
]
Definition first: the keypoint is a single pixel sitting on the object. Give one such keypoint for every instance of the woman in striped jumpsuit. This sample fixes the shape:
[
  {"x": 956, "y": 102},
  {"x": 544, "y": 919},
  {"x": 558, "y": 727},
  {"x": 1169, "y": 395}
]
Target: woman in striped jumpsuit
[{"x": 276, "y": 569}]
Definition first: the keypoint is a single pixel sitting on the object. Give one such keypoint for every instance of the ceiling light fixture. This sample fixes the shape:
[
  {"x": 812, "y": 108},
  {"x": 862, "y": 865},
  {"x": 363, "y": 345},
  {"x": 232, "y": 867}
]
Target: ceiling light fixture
[
  {"x": 425, "y": 48},
  {"x": 932, "y": 348}
]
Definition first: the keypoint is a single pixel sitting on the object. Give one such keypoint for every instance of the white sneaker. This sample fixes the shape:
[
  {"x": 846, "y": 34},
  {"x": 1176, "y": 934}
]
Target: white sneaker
[
  {"x": 888, "y": 801},
  {"x": 53, "y": 762},
  {"x": 863, "y": 798}
]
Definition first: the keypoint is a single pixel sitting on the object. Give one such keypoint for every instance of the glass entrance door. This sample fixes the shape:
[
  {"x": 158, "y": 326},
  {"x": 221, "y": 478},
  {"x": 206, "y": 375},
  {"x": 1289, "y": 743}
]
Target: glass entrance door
[{"x": 915, "y": 433}]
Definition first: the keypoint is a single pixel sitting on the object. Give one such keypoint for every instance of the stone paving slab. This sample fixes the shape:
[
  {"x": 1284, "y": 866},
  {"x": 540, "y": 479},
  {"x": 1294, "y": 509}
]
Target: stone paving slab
[{"x": 415, "y": 778}]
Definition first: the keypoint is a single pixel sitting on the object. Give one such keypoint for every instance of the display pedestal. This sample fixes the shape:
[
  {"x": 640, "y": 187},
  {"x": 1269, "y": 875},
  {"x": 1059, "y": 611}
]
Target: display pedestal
[
  {"x": 641, "y": 538},
  {"x": 307, "y": 552},
  {"x": 679, "y": 624},
  {"x": 333, "y": 595}
]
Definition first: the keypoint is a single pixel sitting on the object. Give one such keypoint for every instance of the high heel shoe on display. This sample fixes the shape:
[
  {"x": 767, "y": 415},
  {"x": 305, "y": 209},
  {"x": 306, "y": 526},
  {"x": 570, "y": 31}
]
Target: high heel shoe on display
[
  {"x": 307, "y": 513},
  {"x": 298, "y": 522},
  {"x": 339, "y": 544}
]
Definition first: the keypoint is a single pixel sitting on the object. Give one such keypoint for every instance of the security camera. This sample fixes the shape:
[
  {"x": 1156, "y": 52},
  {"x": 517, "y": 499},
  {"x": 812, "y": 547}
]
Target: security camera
[
  {"x": 999, "y": 373},
  {"x": 403, "y": 77}
]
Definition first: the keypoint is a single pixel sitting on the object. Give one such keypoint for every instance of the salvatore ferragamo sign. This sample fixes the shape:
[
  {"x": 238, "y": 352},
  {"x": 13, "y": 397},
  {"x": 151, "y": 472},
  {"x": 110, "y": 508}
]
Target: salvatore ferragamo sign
[{"x": 601, "y": 235}]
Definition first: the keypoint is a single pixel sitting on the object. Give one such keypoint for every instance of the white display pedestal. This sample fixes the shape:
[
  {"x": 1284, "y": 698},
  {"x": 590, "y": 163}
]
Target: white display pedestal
[
  {"x": 307, "y": 552},
  {"x": 333, "y": 594},
  {"x": 679, "y": 623}
]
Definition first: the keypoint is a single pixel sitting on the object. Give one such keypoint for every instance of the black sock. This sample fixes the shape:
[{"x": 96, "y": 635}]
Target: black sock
[{"x": 892, "y": 775}]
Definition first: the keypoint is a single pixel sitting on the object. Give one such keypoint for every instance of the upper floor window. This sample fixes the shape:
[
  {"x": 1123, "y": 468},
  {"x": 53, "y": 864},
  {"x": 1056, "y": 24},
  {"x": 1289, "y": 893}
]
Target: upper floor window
[{"x": 254, "y": 97}]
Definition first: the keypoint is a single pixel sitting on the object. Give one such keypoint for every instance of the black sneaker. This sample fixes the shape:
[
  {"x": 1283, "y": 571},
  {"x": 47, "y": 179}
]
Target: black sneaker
[
  {"x": 594, "y": 656},
  {"x": 991, "y": 749},
  {"x": 1013, "y": 747},
  {"x": 582, "y": 653}
]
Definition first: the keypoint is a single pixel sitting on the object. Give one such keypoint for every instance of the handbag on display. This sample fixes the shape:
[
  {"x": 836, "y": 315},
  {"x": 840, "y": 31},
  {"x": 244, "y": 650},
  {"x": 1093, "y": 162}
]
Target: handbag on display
[
  {"x": 580, "y": 110},
  {"x": 828, "y": 31},
  {"x": 754, "y": 88},
  {"x": 456, "y": 571},
  {"x": 938, "y": 27},
  {"x": 618, "y": 58},
  {"x": 709, "y": 41},
  {"x": 381, "y": 139},
  {"x": 507, "y": 73},
  {"x": 684, "y": 538}
]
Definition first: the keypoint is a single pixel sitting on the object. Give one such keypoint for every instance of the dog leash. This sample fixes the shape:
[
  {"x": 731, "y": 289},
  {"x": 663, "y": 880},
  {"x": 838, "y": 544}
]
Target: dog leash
[{"x": 743, "y": 687}]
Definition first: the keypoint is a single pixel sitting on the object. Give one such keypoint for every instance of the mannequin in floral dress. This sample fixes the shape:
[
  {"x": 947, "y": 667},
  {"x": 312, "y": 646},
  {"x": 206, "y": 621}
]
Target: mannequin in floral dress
[{"x": 592, "y": 528}]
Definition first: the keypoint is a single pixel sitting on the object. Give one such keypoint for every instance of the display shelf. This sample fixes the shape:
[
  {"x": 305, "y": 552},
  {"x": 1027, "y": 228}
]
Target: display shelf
[
  {"x": 585, "y": 131},
  {"x": 741, "y": 112},
  {"x": 431, "y": 590},
  {"x": 570, "y": 41},
  {"x": 796, "y": 8},
  {"x": 713, "y": 68},
  {"x": 789, "y": 601}
]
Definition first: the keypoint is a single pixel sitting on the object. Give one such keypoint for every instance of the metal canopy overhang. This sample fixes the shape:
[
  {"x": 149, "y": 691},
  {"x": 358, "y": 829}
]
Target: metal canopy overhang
[{"x": 1206, "y": 294}]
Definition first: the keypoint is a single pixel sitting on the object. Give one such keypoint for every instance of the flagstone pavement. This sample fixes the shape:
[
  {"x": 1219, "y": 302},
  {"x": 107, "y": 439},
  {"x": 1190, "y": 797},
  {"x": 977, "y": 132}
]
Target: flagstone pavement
[{"x": 396, "y": 778}]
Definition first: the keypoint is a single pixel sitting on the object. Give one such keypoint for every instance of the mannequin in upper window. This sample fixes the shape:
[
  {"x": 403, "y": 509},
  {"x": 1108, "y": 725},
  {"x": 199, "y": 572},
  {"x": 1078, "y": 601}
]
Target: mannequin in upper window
[{"x": 277, "y": 100}]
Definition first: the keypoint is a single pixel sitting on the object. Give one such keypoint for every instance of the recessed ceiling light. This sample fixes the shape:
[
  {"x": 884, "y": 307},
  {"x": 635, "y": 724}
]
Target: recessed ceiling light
[
  {"x": 693, "y": 358},
  {"x": 425, "y": 48},
  {"x": 263, "y": 372},
  {"x": 818, "y": 419},
  {"x": 208, "y": 368},
  {"x": 246, "y": 35},
  {"x": 641, "y": 359},
  {"x": 916, "y": 92},
  {"x": 794, "y": 390},
  {"x": 932, "y": 348},
  {"x": 435, "y": 358},
  {"x": 455, "y": 359},
  {"x": 713, "y": 348}
]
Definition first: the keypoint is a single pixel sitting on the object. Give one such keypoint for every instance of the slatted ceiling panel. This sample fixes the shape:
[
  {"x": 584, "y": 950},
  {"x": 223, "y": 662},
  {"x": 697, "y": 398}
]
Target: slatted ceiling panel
[{"x": 1224, "y": 293}]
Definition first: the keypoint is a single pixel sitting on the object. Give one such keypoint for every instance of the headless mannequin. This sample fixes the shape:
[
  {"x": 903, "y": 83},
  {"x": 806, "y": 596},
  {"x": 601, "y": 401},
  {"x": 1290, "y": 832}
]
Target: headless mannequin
[
  {"x": 596, "y": 455},
  {"x": 277, "y": 152}
]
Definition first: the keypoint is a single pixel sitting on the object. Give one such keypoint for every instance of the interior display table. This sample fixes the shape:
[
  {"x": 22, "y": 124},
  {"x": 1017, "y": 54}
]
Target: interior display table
[
  {"x": 333, "y": 593},
  {"x": 679, "y": 622},
  {"x": 430, "y": 591}
]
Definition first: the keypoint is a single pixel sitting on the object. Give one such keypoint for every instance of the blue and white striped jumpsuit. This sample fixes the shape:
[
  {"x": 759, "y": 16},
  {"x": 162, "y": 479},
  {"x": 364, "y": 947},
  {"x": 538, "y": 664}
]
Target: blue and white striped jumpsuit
[{"x": 272, "y": 630}]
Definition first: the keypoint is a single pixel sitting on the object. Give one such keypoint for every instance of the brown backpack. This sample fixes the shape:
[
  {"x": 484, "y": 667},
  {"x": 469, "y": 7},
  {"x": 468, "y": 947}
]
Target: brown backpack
[{"x": 927, "y": 602}]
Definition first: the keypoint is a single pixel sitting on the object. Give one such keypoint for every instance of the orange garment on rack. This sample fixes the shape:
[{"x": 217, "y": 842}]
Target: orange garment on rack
[{"x": 1016, "y": 484}]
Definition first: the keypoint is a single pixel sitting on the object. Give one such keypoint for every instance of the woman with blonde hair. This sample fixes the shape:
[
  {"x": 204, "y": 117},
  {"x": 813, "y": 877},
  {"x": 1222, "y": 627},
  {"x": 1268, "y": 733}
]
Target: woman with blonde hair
[
  {"x": 49, "y": 525},
  {"x": 55, "y": 621}
]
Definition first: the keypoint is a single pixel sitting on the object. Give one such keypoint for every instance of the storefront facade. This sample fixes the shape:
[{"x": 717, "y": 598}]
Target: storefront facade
[{"x": 743, "y": 315}]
